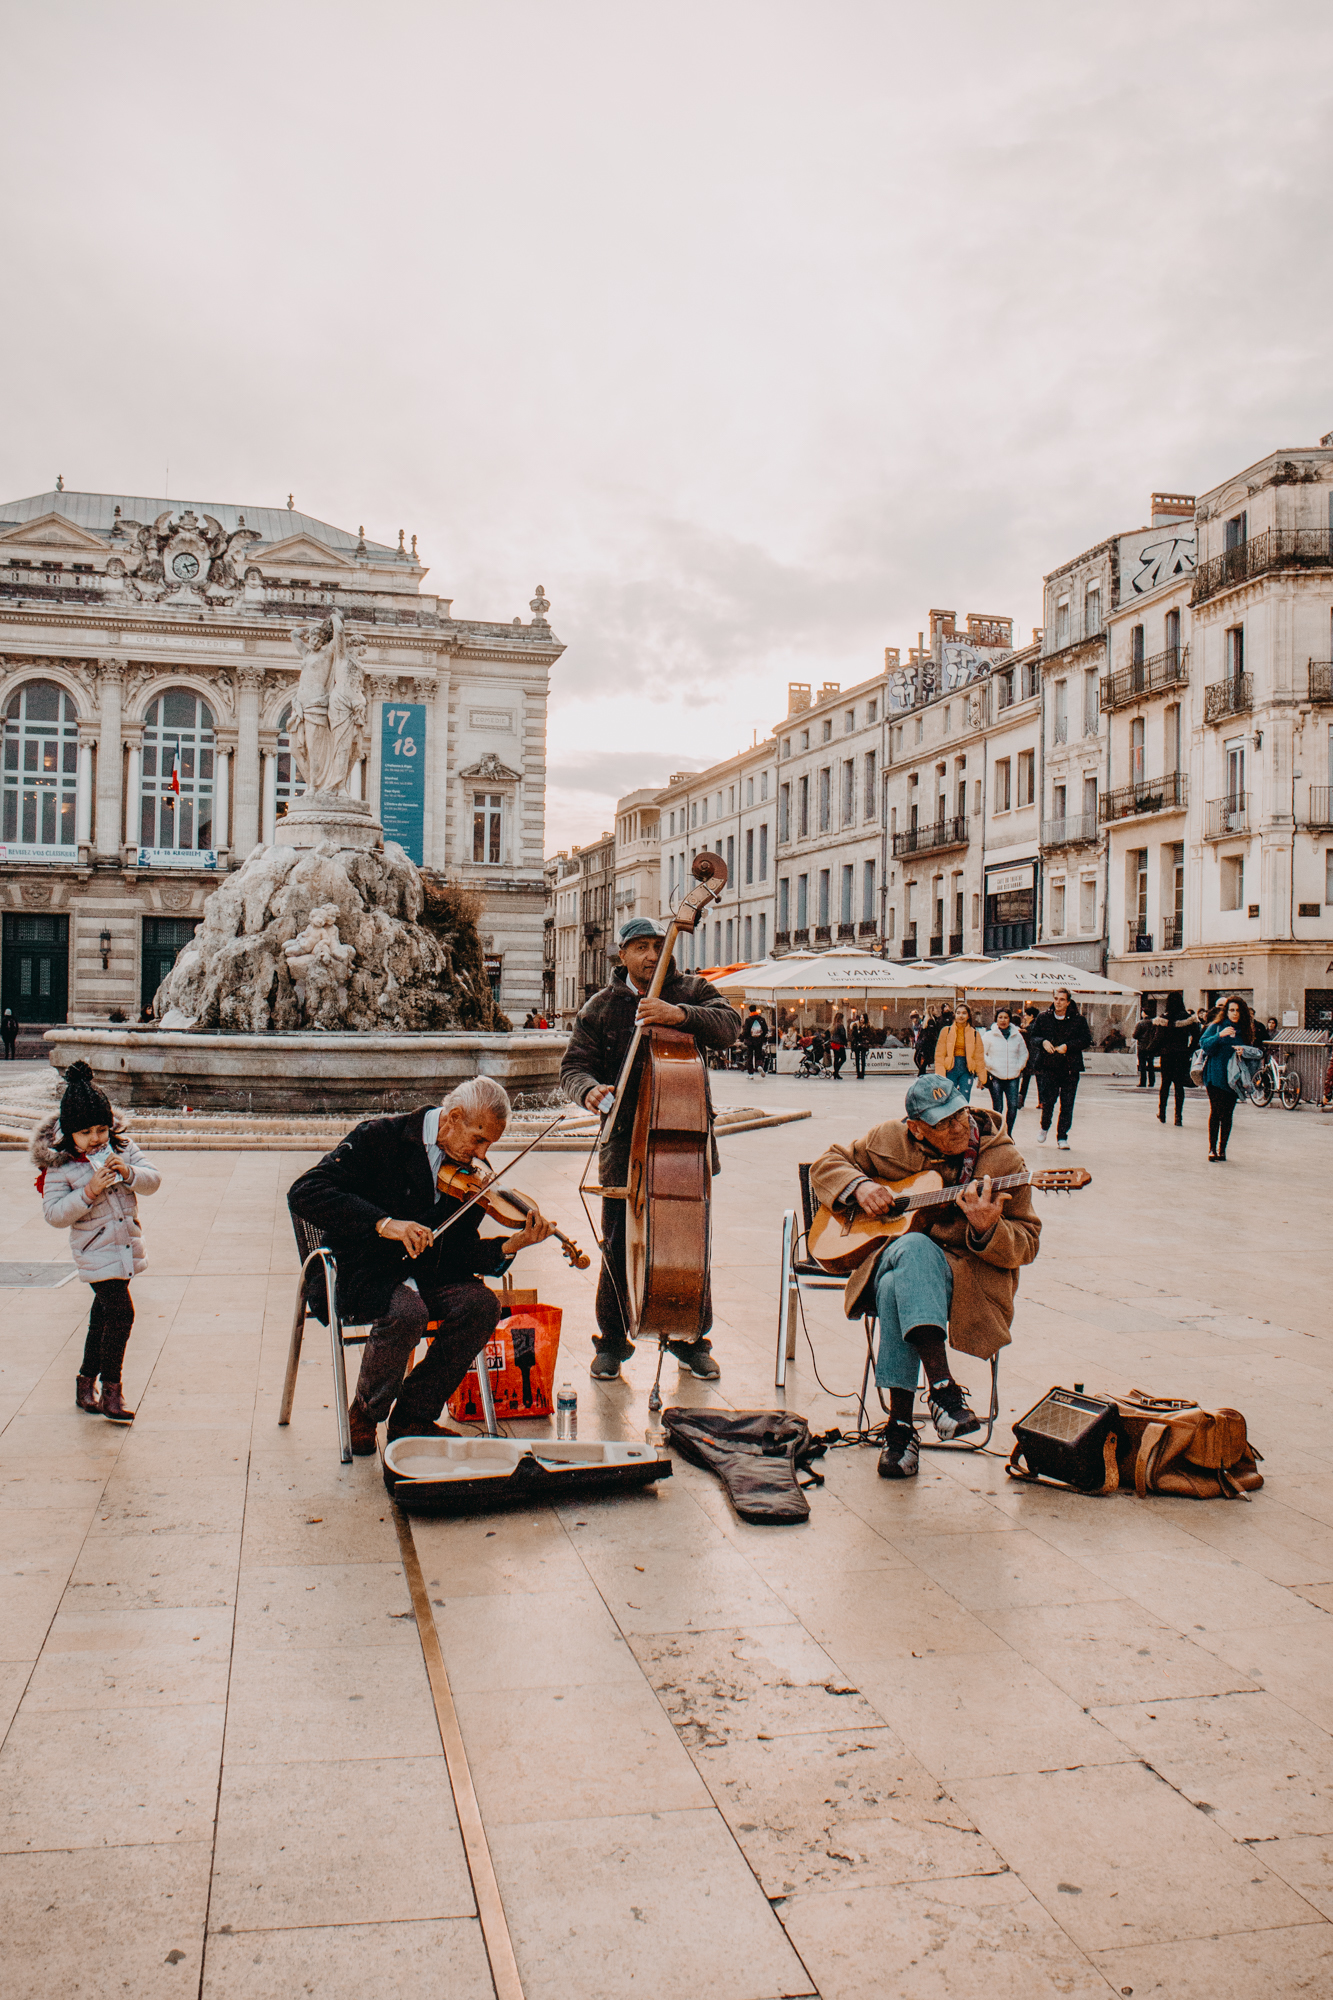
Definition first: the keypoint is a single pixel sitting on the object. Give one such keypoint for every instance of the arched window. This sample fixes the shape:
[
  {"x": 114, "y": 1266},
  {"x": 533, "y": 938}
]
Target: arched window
[
  {"x": 41, "y": 767},
  {"x": 176, "y": 795},
  {"x": 290, "y": 787}
]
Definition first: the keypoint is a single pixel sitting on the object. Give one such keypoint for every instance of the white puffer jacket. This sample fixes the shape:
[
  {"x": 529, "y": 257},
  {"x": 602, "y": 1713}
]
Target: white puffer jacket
[
  {"x": 104, "y": 1233},
  {"x": 1006, "y": 1055}
]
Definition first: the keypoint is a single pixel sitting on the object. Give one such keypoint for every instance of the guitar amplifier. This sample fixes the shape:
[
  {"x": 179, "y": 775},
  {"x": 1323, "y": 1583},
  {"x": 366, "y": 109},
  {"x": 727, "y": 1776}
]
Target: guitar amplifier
[{"x": 1064, "y": 1436}]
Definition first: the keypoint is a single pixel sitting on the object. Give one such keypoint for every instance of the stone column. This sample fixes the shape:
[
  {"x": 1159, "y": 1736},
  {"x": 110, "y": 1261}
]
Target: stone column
[
  {"x": 247, "y": 760},
  {"x": 133, "y": 814},
  {"x": 221, "y": 767},
  {"x": 109, "y": 675},
  {"x": 269, "y": 789},
  {"x": 83, "y": 811}
]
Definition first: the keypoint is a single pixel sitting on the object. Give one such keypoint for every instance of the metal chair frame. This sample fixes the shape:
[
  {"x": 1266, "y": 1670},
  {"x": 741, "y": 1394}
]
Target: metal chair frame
[
  {"x": 340, "y": 1340},
  {"x": 797, "y": 1272}
]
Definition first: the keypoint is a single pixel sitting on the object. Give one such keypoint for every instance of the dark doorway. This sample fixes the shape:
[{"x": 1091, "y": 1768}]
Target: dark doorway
[
  {"x": 162, "y": 939},
  {"x": 34, "y": 981},
  {"x": 1319, "y": 1008}
]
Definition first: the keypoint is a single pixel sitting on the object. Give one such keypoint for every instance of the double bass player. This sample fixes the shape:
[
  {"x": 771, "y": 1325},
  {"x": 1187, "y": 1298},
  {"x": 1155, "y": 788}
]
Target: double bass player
[{"x": 592, "y": 1064}]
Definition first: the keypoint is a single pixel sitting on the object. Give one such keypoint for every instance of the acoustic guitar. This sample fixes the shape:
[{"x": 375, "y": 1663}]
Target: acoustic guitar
[{"x": 838, "y": 1240}]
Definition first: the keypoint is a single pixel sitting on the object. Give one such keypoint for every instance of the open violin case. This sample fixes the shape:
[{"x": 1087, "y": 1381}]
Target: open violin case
[{"x": 469, "y": 1475}]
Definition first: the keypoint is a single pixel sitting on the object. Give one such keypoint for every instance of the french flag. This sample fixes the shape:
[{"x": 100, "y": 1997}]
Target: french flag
[{"x": 176, "y": 772}]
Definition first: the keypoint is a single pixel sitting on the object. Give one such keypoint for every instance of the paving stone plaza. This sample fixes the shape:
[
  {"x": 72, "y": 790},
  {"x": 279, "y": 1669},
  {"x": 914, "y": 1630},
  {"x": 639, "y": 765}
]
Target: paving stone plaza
[{"x": 959, "y": 1737}]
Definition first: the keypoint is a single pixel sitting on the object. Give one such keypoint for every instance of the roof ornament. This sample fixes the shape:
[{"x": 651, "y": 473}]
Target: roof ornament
[
  {"x": 401, "y": 538},
  {"x": 116, "y": 528},
  {"x": 60, "y": 482},
  {"x": 414, "y": 548},
  {"x": 539, "y": 606},
  {"x": 240, "y": 520},
  {"x": 361, "y": 545},
  {"x": 291, "y": 502}
]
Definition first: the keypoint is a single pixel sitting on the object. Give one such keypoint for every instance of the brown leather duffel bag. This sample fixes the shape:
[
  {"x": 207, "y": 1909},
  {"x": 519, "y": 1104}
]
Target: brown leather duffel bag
[{"x": 1167, "y": 1445}]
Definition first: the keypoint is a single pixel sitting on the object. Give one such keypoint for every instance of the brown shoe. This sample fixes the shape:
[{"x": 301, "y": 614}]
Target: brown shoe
[
  {"x": 362, "y": 1426},
  {"x": 419, "y": 1427},
  {"x": 86, "y": 1396},
  {"x": 113, "y": 1405}
]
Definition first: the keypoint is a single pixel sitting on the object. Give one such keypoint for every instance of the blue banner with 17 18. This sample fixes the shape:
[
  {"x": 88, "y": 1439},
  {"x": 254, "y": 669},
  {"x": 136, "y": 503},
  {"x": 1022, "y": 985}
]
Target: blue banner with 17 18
[{"x": 403, "y": 775}]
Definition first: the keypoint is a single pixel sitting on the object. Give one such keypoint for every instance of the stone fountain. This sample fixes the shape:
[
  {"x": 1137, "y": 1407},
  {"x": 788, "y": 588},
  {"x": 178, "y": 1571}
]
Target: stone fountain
[{"x": 311, "y": 983}]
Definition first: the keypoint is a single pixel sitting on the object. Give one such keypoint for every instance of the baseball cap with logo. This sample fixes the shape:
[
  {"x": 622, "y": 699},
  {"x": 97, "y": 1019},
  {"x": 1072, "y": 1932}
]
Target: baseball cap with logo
[{"x": 932, "y": 1099}]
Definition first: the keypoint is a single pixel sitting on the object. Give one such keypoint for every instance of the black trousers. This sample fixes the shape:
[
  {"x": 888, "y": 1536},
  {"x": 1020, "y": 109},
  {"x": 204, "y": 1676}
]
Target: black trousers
[
  {"x": 1168, "y": 1085},
  {"x": 109, "y": 1326},
  {"x": 860, "y": 1055},
  {"x": 1023, "y": 1082},
  {"x": 1221, "y": 1111},
  {"x": 467, "y": 1312},
  {"x": 1147, "y": 1074},
  {"x": 612, "y": 1335},
  {"x": 754, "y": 1058},
  {"x": 839, "y": 1058},
  {"x": 1053, "y": 1089}
]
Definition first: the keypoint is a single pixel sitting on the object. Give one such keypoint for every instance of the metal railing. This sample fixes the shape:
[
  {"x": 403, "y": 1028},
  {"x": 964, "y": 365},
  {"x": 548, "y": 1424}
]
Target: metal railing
[
  {"x": 1173, "y": 934},
  {"x": 867, "y": 927},
  {"x": 781, "y": 937},
  {"x": 1274, "y": 548},
  {"x": 1074, "y": 830},
  {"x": 1144, "y": 677},
  {"x": 846, "y": 931},
  {"x": 1321, "y": 680},
  {"x": 1233, "y": 696},
  {"x": 909, "y": 943},
  {"x": 1229, "y": 815},
  {"x": 939, "y": 833},
  {"x": 801, "y": 936},
  {"x": 937, "y": 947},
  {"x": 955, "y": 943},
  {"x": 1153, "y": 795},
  {"x": 822, "y": 934},
  {"x": 1320, "y": 811},
  {"x": 1138, "y": 938}
]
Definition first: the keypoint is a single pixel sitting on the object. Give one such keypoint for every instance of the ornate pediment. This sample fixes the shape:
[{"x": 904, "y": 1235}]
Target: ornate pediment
[
  {"x": 304, "y": 549},
  {"x": 51, "y": 531},
  {"x": 490, "y": 771}
]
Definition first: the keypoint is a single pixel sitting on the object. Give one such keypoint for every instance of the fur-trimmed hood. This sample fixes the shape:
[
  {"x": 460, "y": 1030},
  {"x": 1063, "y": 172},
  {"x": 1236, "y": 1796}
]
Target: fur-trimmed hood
[{"x": 45, "y": 1149}]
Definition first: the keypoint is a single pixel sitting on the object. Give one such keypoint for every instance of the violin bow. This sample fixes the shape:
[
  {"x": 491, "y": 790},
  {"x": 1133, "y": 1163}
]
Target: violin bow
[{"x": 472, "y": 1199}]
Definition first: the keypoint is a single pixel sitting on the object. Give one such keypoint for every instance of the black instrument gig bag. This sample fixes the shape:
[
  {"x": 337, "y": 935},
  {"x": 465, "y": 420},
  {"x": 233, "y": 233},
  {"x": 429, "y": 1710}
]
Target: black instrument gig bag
[{"x": 757, "y": 1454}]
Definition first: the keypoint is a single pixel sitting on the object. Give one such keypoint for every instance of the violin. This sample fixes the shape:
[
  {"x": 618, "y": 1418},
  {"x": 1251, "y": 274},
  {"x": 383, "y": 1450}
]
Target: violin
[{"x": 505, "y": 1205}]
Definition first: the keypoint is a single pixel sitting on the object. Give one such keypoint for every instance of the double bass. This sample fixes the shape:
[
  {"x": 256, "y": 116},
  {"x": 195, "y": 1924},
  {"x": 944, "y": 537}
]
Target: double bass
[{"x": 661, "y": 1101}]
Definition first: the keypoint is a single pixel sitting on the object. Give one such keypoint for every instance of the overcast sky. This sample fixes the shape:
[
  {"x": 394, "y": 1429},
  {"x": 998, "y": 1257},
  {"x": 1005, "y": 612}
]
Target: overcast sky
[{"x": 751, "y": 331}]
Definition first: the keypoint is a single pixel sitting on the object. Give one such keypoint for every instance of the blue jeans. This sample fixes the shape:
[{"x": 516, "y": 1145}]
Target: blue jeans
[
  {"x": 913, "y": 1287},
  {"x": 961, "y": 1076},
  {"x": 1004, "y": 1094}
]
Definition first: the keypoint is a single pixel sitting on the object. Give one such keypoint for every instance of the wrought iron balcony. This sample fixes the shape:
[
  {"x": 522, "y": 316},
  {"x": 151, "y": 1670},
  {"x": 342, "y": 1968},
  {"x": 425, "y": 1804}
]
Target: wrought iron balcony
[
  {"x": 1074, "y": 830},
  {"x": 1275, "y": 548},
  {"x": 1233, "y": 696},
  {"x": 821, "y": 933},
  {"x": 1320, "y": 811},
  {"x": 1229, "y": 815},
  {"x": 1138, "y": 939},
  {"x": 1173, "y": 935},
  {"x": 1153, "y": 795},
  {"x": 938, "y": 834},
  {"x": 1142, "y": 678},
  {"x": 955, "y": 943},
  {"x": 781, "y": 938},
  {"x": 801, "y": 935},
  {"x": 867, "y": 927},
  {"x": 909, "y": 943},
  {"x": 1321, "y": 680},
  {"x": 937, "y": 947},
  {"x": 846, "y": 931}
]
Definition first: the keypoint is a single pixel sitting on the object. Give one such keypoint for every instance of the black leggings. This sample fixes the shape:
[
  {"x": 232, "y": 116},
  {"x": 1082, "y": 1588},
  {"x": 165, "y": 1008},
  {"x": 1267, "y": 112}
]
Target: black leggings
[
  {"x": 1221, "y": 1110},
  {"x": 109, "y": 1325},
  {"x": 1170, "y": 1083}
]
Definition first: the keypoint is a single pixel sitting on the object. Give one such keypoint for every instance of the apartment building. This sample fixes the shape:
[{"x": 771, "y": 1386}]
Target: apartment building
[
  {"x": 732, "y": 809},
  {"x": 1011, "y": 803},
  {"x": 564, "y": 901},
  {"x": 638, "y": 862},
  {"x": 1229, "y": 884},
  {"x": 830, "y": 847},
  {"x": 597, "y": 943},
  {"x": 1077, "y": 598}
]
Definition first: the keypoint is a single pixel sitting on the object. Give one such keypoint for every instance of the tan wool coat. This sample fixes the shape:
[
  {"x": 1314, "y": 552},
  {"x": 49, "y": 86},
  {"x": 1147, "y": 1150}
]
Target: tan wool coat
[
  {"x": 985, "y": 1273},
  {"x": 947, "y": 1050}
]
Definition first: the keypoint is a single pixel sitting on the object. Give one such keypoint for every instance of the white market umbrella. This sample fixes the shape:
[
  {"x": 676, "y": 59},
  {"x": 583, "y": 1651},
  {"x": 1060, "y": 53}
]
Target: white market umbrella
[
  {"x": 831, "y": 975},
  {"x": 1033, "y": 972}
]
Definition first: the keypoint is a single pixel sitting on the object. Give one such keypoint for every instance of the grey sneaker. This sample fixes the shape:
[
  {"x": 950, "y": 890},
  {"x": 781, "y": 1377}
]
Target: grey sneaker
[
  {"x": 606, "y": 1366},
  {"x": 697, "y": 1356},
  {"x": 901, "y": 1456},
  {"x": 951, "y": 1413}
]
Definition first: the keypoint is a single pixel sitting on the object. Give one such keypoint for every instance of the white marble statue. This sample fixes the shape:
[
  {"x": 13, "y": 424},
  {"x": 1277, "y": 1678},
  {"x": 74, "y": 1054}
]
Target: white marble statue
[
  {"x": 328, "y": 727},
  {"x": 319, "y": 945}
]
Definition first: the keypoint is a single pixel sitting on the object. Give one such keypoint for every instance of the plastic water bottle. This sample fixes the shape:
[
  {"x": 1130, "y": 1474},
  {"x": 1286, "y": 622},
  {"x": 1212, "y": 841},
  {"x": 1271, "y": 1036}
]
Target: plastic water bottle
[{"x": 566, "y": 1413}]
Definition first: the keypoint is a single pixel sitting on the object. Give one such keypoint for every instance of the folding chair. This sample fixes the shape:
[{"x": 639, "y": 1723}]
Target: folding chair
[{"x": 311, "y": 1244}]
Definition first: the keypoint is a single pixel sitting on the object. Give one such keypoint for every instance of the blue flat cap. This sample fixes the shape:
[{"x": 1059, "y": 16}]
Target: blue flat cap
[
  {"x": 639, "y": 927},
  {"x": 932, "y": 1099}
]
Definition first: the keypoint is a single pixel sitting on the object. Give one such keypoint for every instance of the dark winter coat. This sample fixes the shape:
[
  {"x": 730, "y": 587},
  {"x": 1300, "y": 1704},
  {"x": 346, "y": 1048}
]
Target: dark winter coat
[
  {"x": 381, "y": 1169},
  {"x": 1073, "y": 1031},
  {"x": 603, "y": 1033},
  {"x": 1219, "y": 1049},
  {"x": 931, "y": 1031},
  {"x": 1173, "y": 1048}
]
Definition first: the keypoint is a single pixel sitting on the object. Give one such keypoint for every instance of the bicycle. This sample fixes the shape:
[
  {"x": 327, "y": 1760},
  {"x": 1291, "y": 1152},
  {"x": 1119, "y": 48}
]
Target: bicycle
[{"x": 1275, "y": 1079}]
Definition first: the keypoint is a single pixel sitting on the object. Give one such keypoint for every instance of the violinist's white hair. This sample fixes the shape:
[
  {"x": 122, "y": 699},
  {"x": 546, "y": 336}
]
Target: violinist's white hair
[{"x": 479, "y": 1097}]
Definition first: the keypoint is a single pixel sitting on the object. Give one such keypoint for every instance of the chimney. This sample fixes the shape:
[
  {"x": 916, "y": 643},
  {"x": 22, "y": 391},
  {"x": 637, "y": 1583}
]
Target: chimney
[
  {"x": 798, "y": 696},
  {"x": 1168, "y": 507}
]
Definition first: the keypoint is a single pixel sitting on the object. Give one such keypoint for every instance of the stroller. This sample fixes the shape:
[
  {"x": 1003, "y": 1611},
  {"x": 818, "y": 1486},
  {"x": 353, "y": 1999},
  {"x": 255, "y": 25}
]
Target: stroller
[{"x": 814, "y": 1060}]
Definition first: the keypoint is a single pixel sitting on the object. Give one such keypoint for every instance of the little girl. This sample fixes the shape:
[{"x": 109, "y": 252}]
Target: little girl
[{"x": 90, "y": 1174}]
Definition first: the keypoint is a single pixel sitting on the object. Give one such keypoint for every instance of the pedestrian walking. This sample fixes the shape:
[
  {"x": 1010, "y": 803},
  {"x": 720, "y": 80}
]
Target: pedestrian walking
[
  {"x": 860, "y": 1040},
  {"x": 959, "y": 1054},
  {"x": 929, "y": 1036},
  {"x": 1061, "y": 1034},
  {"x": 754, "y": 1040},
  {"x": 1146, "y": 1036},
  {"x": 1006, "y": 1055},
  {"x": 1177, "y": 1040},
  {"x": 1025, "y": 1026},
  {"x": 90, "y": 1175},
  {"x": 9, "y": 1032},
  {"x": 838, "y": 1046},
  {"x": 1220, "y": 1040}
]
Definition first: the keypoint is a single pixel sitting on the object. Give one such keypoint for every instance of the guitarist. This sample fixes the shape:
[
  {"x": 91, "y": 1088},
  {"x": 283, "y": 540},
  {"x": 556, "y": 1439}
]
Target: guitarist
[{"x": 954, "y": 1275}]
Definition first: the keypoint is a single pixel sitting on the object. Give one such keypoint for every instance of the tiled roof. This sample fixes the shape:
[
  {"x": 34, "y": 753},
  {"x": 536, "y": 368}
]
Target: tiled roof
[{"x": 95, "y": 512}]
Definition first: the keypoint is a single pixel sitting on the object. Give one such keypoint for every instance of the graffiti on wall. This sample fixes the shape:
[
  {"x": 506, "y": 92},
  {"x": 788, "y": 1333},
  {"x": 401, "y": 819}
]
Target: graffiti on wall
[{"x": 1148, "y": 561}]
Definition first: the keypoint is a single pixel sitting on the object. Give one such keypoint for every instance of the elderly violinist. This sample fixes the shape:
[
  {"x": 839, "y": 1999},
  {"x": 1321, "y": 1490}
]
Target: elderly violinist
[
  {"x": 376, "y": 1198},
  {"x": 597, "y": 1049}
]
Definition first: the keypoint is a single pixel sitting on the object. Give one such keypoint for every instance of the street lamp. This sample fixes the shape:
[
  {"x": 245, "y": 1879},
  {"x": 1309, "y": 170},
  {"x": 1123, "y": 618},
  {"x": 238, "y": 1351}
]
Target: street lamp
[{"x": 104, "y": 943}]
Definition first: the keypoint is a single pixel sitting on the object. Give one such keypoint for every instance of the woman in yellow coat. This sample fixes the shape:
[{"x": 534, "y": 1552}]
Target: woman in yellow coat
[{"x": 958, "y": 1052}]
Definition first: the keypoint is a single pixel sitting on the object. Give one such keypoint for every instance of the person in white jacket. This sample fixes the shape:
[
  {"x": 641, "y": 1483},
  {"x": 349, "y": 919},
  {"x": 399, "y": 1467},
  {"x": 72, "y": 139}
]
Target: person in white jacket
[
  {"x": 91, "y": 1173},
  {"x": 1006, "y": 1056}
]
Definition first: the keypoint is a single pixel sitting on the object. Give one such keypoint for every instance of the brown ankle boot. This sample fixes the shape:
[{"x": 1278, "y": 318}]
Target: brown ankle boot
[
  {"x": 113, "y": 1405},
  {"x": 86, "y": 1396},
  {"x": 362, "y": 1426}
]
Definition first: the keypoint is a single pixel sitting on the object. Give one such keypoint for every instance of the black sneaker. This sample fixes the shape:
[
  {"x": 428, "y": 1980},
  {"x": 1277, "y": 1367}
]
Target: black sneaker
[
  {"x": 901, "y": 1456},
  {"x": 606, "y": 1365},
  {"x": 950, "y": 1411},
  {"x": 697, "y": 1356}
]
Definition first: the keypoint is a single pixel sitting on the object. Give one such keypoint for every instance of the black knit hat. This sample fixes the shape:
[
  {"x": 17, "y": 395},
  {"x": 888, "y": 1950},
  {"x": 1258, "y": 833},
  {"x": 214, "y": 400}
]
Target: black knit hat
[{"x": 84, "y": 1103}]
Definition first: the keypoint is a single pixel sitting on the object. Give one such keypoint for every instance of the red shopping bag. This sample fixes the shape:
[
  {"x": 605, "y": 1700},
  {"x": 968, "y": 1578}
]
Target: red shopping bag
[{"x": 520, "y": 1357}]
